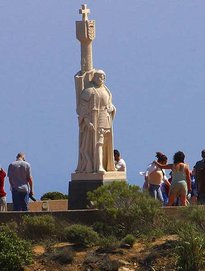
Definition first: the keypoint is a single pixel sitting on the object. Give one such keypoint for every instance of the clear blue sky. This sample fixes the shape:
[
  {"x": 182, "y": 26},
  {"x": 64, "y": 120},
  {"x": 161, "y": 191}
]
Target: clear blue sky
[{"x": 153, "y": 54}]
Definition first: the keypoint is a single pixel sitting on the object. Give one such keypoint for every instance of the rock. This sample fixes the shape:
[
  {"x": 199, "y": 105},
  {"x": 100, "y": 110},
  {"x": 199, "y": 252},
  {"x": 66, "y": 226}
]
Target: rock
[
  {"x": 125, "y": 269},
  {"x": 124, "y": 262}
]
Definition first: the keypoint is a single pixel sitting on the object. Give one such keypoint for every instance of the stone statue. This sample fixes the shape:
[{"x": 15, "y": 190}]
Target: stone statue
[
  {"x": 95, "y": 112},
  {"x": 93, "y": 105}
]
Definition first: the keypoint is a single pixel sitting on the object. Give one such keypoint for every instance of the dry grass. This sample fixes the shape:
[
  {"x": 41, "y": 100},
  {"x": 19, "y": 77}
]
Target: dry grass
[{"x": 142, "y": 257}]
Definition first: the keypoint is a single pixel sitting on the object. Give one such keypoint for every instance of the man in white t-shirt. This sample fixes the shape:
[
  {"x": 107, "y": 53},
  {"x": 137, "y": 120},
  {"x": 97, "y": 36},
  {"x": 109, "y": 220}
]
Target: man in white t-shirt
[{"x": 120, "y": 164}]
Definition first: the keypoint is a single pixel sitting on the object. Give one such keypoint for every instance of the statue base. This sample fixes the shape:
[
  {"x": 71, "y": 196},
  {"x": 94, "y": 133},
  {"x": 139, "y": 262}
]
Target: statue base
[{"x": 81, "y": 183}]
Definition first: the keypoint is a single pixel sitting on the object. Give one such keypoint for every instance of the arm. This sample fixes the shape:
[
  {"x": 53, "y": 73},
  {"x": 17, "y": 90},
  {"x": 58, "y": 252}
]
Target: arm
[
  {"x": 120, "y": 166},
  {"x": 195, "y": 173},
  {"x": 11, "y": 184},
  {"x": 148, "y": 171},
  {"x": 146, "y": 183},
  {"x": 9, "y": 174},
  {"x": 89, "y": 124},
  {"x": 169, "y": 166},
  {"x": 166, "y": 181},
  {"x": 30, "y": 181},
  {"x": 188, "y": 179}
]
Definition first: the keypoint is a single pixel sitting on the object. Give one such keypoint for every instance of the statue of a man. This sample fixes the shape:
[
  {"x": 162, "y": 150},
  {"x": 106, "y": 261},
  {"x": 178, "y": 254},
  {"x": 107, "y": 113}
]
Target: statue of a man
[{"x": 96, "y": 113}]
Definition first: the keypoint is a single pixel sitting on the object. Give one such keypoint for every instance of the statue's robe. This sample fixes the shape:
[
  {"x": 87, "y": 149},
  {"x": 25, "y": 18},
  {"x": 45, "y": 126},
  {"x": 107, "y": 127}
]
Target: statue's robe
[{"x": 99, "y": 111}]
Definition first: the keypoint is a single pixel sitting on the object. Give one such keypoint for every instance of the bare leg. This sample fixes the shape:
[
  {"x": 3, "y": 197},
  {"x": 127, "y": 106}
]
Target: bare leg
[
  {"x": 183, "y": 200},
  {"x": 171, "y": 200}
]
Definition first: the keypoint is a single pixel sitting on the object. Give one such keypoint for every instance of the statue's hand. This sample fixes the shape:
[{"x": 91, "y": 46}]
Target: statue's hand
[
  {"x": 91, "y": 126},
  {"x": 110, "y": 109}
]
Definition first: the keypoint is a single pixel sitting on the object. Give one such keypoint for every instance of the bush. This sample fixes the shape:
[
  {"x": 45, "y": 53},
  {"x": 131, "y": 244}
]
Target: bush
[
  {"x": 10, "y": 226},
  {"x": 102, "y": 228},
  {"x": 38, "y": 227},
  {"x": 108, "y": 244},
  {"x": 81, "y": 235},
  {"x": 14, "y": 252},
  {"x": 196, "y": 215},
  {"x": 171, "y": 226},
  {"x": 126, "y": 209},
  {"x": 54, "y": 196},
  {"x": 129, "y": 239},
  {"x": 190, "y": 249}
]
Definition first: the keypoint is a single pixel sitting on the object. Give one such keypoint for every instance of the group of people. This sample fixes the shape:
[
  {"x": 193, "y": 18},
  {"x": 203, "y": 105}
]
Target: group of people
[
  {"x": 21, "y": 184},
  {"x": 184, "y": 186},
  {"x": 21, "y": 181}
]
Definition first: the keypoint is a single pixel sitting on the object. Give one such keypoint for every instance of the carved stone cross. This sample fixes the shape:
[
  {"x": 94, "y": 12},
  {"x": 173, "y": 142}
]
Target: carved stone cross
[{"x": 84, "y": 11}]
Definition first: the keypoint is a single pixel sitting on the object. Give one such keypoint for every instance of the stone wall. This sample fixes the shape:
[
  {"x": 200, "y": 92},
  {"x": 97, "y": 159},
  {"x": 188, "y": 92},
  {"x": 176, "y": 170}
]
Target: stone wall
[
  {"x": 86, "y": 216},
  {"x": 46, "y": 205}
]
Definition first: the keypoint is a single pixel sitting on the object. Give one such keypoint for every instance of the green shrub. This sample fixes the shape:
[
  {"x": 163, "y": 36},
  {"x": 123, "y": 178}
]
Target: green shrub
[
  {"x": 190, "y": 249},
  {"x": 156, "y": 232},
  {"x": 9, "y": 226},
  {"x": 54, "y": 196},
  {"x": 171, "y": 226},
  {"x": 125, "y": 208},
  {"x": 81, "y": 235},
  {"x": 108, "y": 244},
  {"x": 14, "y": 252},
  {"x": 129, "y": 239},
  {"x": 196, "y": 215},
  {"x": 38, "y": 227},
  {"x": 102, "y": 228}
]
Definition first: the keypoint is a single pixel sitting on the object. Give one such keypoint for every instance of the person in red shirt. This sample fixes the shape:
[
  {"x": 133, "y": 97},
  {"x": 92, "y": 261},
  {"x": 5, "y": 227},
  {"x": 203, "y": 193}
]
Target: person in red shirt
[{"x": 3, "y": 205}]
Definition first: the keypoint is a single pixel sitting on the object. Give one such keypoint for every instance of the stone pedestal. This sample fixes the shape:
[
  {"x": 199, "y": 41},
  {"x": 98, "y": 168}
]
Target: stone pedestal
[{"x": 81, "y": 183}]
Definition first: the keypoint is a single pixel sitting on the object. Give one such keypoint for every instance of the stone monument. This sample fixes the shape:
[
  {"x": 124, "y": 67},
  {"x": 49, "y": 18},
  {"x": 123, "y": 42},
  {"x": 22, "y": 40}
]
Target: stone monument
[{"x": 95, "y": 116}]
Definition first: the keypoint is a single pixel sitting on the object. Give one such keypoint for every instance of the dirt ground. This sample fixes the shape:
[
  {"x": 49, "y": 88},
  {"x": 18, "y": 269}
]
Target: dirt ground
[{"x": 154, "y": 255}]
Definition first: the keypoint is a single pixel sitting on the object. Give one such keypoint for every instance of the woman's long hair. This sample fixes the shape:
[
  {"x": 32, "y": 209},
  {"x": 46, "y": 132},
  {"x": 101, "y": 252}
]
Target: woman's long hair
[{"x": 178, "y": 157}]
